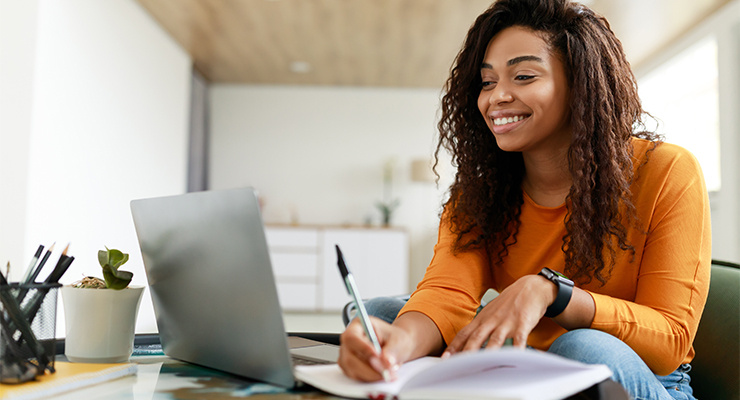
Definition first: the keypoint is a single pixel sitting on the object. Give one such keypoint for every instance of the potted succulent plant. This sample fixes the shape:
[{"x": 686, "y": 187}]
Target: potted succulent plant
[{"x": 100, "y": 314}]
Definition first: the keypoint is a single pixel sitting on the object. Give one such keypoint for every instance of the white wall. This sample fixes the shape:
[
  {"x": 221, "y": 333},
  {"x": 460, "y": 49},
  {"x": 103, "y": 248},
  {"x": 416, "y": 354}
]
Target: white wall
[
  {"x": 108, "y": 123},
  {"x": 316, "y": 155},
  {"x": 18, "y": 24}
]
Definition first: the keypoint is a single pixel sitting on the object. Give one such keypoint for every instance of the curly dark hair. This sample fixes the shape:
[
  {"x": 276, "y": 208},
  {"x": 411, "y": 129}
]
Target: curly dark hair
[{"x": 486, "y": 196}]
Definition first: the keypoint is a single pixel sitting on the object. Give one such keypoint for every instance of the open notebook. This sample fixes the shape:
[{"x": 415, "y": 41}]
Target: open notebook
[{"x": 502, "y": 374}]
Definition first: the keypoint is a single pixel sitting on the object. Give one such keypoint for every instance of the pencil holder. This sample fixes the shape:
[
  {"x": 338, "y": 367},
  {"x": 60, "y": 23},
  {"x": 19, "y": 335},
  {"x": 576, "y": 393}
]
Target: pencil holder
[{"x": 27, "y": 330}]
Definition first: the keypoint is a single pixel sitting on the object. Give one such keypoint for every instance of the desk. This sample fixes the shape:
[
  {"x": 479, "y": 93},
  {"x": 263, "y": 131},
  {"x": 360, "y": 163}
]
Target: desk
[{"x": 162, "y": 378}]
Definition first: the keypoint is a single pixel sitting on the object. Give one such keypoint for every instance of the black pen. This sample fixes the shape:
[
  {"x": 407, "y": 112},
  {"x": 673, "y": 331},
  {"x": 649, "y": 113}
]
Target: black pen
[
  {"x": 349, "y": 282},
  {"x": 35, "y": 258}
]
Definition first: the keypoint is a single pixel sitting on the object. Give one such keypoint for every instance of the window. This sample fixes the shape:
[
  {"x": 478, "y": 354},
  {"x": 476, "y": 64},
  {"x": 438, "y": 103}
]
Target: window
[{"x": 682, "y": 94}]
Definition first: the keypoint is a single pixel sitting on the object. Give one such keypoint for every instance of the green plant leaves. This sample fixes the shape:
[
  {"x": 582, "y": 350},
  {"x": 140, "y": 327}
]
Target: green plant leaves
[
  {"x": 115, "y": 279},
  {"x": 111, "y": 260},
  {"x": 112, "y": 257}
]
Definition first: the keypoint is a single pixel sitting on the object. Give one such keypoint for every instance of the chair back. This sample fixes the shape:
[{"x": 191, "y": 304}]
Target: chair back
[{"x": 715, "y": 372}]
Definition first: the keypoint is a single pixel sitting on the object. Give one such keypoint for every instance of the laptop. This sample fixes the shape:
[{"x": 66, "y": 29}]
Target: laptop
[{"x": 212, "y": 286}]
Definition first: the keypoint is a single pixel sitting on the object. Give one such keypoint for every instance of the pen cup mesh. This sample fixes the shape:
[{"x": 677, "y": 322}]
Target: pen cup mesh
[{"x": 28, "y": 330}]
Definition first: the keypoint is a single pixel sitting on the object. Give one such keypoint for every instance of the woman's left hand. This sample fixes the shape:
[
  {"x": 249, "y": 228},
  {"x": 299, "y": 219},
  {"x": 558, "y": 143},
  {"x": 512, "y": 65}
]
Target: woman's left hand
[{"x": 512, "y": 314}]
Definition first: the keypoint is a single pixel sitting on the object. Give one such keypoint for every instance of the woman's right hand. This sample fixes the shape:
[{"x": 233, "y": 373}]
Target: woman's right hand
[{"x": 358, "y": 358}]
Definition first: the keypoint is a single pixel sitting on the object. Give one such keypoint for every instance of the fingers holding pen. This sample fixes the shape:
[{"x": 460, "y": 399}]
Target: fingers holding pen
[
  {"x": 358, "y": 367},
  {"x": 355, "y": 352},
  {"x": 359, "y": 359}
]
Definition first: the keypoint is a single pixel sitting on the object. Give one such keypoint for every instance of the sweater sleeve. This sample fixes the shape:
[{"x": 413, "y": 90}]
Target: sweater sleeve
[
  {"x": 452, "y": 286},
  {"x": 673, "y": 278}
]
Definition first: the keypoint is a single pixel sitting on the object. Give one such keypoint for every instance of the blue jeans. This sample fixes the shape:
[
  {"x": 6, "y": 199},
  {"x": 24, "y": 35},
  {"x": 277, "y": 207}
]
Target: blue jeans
[{"x": 591, "y": 347}]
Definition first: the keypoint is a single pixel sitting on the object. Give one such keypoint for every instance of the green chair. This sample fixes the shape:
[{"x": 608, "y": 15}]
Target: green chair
[{"x": 715, "y": 372}]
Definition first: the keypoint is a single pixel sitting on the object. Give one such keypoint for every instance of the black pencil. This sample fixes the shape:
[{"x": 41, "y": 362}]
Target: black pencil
[
  {"x": 3, "y": 281},
  {"x": 60, "y": 268},
  {"x": 34, "y": 304},
  {"x": 31, "y": 279},
  {"x": 36, "y": 271}
]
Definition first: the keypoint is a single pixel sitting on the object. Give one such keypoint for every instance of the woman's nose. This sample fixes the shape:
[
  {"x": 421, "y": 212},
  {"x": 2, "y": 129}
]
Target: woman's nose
[{"x": 501, "y": 94}]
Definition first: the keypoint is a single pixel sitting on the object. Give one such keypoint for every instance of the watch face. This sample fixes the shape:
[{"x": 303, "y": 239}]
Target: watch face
[
  {"x": 563, "y": 278},
  {"x": 559, "y": 274},
  {"x": 552, "y": 274}
]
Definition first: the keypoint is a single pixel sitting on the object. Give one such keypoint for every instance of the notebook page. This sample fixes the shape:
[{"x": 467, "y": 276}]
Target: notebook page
[
  {"x": 330, "y": 378},
  {"x": 504, "y": 374}
]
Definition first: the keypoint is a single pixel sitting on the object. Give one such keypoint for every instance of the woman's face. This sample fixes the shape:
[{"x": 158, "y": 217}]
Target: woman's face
[{"x": 524, "y": 97}]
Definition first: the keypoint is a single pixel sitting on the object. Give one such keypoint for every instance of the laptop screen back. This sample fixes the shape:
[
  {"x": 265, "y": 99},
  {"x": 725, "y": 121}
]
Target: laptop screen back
[{"x": 213, "y": 290}]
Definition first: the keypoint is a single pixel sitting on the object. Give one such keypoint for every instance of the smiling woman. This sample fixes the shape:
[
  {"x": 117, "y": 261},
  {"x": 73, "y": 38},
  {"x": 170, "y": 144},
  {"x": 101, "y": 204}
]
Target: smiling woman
[
  {"x": 524, "y": 89},
  {"x": 595, "y": 234}
]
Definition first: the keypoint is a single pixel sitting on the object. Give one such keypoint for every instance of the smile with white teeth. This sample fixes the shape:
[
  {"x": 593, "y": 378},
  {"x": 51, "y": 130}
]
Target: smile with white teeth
[{"x": 509, "y": 120}]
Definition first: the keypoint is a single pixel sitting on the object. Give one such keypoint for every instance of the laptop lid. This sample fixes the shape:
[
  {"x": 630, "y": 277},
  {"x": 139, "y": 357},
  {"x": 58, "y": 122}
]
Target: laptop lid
[{"x": 212, "y": 285}]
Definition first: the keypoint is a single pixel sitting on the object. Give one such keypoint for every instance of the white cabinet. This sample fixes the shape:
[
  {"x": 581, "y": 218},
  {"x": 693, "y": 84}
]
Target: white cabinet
[
  {"x": 305, "y": 264},
  {"x": 294, "y": 253}
]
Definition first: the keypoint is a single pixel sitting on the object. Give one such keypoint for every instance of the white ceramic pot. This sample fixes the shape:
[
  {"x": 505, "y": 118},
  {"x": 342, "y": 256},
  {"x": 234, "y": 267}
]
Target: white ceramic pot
[{"x": 100, "y": 323}]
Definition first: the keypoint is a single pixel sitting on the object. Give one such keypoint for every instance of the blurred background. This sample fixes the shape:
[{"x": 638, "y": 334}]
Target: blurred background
[{"x": 327, "y": 107}]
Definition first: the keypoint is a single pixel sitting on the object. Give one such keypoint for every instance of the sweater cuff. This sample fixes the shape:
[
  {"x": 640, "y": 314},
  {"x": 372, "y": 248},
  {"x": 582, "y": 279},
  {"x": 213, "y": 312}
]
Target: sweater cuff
[
  {"x": 604, "y": 311},
  {"x": 448, "y": 318}
]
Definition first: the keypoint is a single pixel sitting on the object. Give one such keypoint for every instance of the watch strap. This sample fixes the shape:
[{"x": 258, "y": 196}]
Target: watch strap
[{"x": 565, "y": 292}]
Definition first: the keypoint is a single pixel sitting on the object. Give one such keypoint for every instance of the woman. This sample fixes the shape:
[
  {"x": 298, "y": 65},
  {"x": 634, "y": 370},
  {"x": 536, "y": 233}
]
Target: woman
[{"x": 541, "y": 114}]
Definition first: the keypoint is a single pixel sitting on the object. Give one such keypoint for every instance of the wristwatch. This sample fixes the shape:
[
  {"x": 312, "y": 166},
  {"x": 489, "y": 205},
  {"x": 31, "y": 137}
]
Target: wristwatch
[{"x": 565, "y": 291}]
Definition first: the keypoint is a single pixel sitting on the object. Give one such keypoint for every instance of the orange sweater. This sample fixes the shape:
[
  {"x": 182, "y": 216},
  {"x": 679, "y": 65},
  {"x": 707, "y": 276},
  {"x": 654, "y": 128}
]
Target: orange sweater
[{"x": 653, "y": 303}]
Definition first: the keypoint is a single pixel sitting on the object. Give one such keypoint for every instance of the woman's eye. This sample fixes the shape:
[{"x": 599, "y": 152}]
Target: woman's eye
[
  {"x": 523, "y": 77},
  {"x": 488, "y": 84}
]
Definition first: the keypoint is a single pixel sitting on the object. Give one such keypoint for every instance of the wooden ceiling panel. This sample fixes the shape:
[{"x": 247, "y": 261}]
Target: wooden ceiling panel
[
  {"x": 399, "y": 43},
  {"x": 385, "y": 43}
]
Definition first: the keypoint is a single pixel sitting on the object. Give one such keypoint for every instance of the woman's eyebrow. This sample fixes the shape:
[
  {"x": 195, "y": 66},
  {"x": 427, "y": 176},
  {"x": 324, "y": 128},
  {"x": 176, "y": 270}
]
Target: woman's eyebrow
[{"x": 515, "y": 60}]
